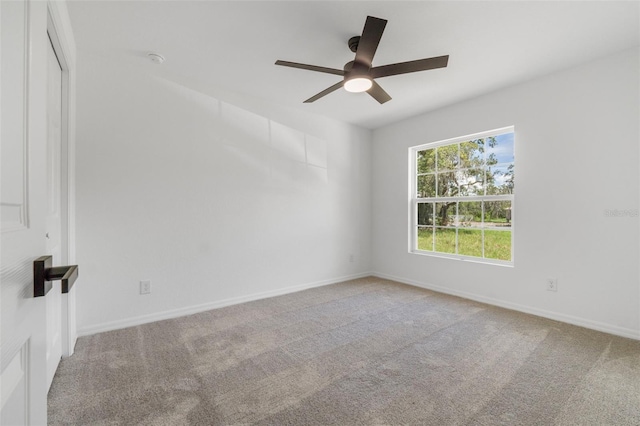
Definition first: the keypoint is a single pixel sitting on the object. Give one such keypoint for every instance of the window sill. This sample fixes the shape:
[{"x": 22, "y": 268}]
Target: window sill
[{"x": 458, "y": 257}]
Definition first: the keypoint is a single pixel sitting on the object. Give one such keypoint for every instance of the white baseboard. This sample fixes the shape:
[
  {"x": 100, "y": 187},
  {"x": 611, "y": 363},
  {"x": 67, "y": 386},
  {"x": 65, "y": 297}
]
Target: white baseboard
[
  {"x": 582, "y": 322},
  {"x": 174, "y": 313},
  {"x": 188, "y": 310}
]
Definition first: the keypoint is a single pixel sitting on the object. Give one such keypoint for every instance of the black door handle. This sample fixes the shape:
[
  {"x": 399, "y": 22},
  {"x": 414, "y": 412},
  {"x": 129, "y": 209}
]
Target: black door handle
[{"x": 44, "y": 273}]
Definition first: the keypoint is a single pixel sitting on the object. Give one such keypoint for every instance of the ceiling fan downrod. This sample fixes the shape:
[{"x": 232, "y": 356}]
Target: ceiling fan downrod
[{"x": 353, "y": 43}]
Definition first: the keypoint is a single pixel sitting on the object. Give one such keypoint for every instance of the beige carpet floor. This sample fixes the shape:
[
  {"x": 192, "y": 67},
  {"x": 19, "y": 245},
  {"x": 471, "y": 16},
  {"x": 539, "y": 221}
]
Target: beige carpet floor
[{"x": 363, "y": 352}]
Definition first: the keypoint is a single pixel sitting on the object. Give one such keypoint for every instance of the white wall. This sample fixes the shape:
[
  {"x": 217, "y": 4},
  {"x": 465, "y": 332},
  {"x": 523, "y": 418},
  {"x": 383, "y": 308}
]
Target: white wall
[
  {"x": 217, "y": 199},
  {"x": 577, "y": 155},
  {"x": 214, "y": 203}
]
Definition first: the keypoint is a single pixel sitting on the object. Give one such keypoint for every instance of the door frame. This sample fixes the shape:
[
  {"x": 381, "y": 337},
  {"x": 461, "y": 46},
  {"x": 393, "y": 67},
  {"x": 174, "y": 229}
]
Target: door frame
[{"x": 59, "y": 32}]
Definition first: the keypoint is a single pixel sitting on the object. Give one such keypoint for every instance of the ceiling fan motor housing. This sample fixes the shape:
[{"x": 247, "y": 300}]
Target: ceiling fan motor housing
[{"x": 354, "y": 68}]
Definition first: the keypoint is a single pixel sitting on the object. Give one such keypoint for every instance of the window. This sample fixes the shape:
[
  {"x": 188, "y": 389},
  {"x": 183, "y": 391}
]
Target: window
[{"x": 462, "y": 197}]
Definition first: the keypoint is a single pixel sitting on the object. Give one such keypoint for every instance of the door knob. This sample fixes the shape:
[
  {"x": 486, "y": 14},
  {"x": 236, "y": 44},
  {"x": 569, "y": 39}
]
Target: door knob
[{"x": 44, "y": 273}]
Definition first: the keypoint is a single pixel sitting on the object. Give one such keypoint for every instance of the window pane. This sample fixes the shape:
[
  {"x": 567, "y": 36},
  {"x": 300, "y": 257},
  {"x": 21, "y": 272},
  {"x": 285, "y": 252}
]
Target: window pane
[
  {"x": 447, "y": 184},
  {"x": 447, "y": 157},
  {"x": 445, "y": 214},
  {"x": 470, "y": 213},
  {"x": 425, "y": 214},
  {"x": 471, "y": 182},
  {"x": 470, "y": 242},
  {"x": 497, "y": 244},
  {"x": 426, "y": 161},
  {"x": 425, "y": 238},
  {"x": 500, "y": 179},
  {"x": 472, "y": 154},
  {"x": 445, "y": 240},
  {"x": 497, "y": 214},
  {"x": 426, "y": 186},
  {"x": 499, "y": 149}
]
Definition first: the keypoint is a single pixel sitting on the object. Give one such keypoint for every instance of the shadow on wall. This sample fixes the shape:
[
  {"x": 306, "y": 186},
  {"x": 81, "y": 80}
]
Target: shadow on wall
[{"x": 270, "y": 149}]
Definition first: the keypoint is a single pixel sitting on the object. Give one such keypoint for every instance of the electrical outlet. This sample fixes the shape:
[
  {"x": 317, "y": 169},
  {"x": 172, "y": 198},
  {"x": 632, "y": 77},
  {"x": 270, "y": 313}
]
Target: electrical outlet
[
  {"x": 552, "y": 284},
  {"x": 145, "y": 287}
]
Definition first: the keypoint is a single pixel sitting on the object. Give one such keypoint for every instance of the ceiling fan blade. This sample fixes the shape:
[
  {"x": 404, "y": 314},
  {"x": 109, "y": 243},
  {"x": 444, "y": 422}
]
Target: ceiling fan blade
[
  {"x": 411, "y": 66},
  {"x": 311, "y": 67},
  {"x": 371, "y": 35},
  {"x": 378, "y": 93},
  {"x": 324, "y": 92}
]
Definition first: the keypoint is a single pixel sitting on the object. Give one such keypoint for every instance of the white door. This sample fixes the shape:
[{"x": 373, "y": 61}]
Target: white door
[
  {"x": 53, "y": 221},
  {"x": 23, "y": 211}
]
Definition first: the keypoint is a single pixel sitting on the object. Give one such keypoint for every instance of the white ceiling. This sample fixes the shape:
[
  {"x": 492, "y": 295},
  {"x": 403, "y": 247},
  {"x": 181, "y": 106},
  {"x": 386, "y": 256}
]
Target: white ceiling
[{"x": 232, "y": 45}]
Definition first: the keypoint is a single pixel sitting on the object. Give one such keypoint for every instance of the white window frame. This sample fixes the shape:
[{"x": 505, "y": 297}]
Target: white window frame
[{"x": 414, "y": 200}]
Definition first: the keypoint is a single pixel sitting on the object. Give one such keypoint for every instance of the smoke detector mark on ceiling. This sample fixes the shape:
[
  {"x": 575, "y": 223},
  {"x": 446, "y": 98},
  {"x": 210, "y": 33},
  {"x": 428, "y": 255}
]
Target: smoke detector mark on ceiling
[{"x": 156, "y": 58}]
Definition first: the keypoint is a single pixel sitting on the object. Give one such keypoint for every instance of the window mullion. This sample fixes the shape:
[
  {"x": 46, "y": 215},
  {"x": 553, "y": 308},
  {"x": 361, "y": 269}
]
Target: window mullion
[
  {"x": 435, "y": 172},
  {"x": 501, "y": 197}
]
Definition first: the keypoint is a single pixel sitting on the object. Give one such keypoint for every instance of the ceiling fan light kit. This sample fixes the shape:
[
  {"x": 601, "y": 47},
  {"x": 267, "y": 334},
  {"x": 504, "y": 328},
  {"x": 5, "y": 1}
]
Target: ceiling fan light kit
[
  {"x": 358, "y": 84},
  {"x": 359, "y": 75}
]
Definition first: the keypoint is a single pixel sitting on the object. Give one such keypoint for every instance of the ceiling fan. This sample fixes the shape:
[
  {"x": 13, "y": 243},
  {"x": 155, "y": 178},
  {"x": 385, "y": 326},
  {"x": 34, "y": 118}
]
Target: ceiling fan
[{"x": 359, "y": 75}]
